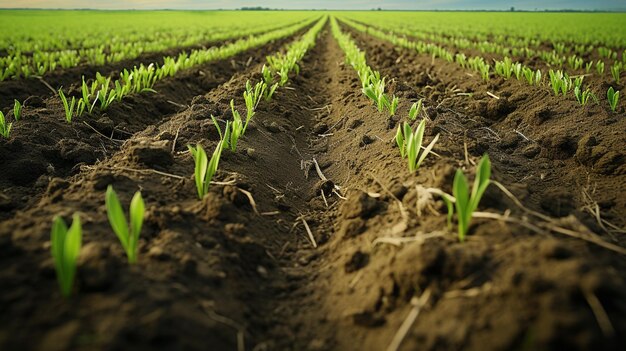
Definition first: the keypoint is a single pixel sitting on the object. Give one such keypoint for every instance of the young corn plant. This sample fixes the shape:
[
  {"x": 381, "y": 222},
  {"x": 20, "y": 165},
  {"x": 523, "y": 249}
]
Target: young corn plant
[
  {"x": 84, "y": 101},
  {"x": 504, "y": 68},
  {"x": 270, "y": 86},
  {"x": 106, "y": 95},
  {"x": 268, "y": 78},
  {"x": 375, "y": 90},
  {"x": 415, "y": 110},
  {"x": 616, "y": 69},
  {"x": 65, "y": 247},
  {"x": 128, "y": 236},
  {"x": 466, "y": 203},
  {"x": 517, "y": 70},
  {"x": 532, "y": 77},
  {"x": 393, "y": 106},
  {"x": 613, "y": 97},
  {"x": 583, "y": 96},
  {"x": 252, "y": 97},
  {"x": 561, "y": 82},
  {"x": 410, "y": 144},
  {"x": 269, "y": 92},
  {"x": 5, "y": 128},
  {"x": 402, "y": 135},
  {"x": 69, "y": 107},
  {"x": 235, "y": 130},
  {"x": 600, "y": 67},
  {"x": 17, "y": 110},
  {"x": 204, "y": 168}
]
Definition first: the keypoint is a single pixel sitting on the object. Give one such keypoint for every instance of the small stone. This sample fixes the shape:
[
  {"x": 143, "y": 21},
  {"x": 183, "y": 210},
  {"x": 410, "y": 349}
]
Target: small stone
[
  {"x": 250, "y": 152},
  {"x": 262, "y": 271}
]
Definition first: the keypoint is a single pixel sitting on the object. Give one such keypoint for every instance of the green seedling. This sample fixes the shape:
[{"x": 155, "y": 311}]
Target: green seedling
[
  {"x": 17, "y": 110},
  {"x": 106, "y": 96},
  {"x": 484, "y": 71},
  {"x": 613, "y": 97},
  {"x": 583, "y": 96},
  {"x": 561, "y": 82},
  {"x": 65, "y": 247},
  {"x": 269, "y": 92},
  {"x": 410, "y": 144},
  {"x": 616, "y": 69},
  {"x": 600, "y": 67},
  {"x": 538, "y": 77},
  {"x": 415, "y": 110},
  {"x": 414, "y": 151},
  {"x": 129, "y": 237},
  {"x": 69, "y": 107},
  {"x": 237, "y": 128},
  {"x": 252, "y": 97},
  {"x": 84, "y": 88},
  {"x": 465, "y": 202},
  {"x": 393, "y": 106},
  {"x": 205, "y": 169},
  {"x": 5, "y": 128},
  {"x": 402, "y": 135},
  {"x": 504, "y": 68},
  {"x": 267, "y": 75}
]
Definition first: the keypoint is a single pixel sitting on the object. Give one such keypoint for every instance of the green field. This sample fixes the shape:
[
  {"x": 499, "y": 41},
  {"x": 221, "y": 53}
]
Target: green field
[{"x": 312, "y": 180}]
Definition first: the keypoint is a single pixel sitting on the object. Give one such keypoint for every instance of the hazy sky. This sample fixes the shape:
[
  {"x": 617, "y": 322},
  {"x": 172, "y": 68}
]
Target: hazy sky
[{"x": 322, "y": 4}]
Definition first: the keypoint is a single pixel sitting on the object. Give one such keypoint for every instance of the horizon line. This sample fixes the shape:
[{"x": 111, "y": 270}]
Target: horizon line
[{"x": 616, "y": 10}]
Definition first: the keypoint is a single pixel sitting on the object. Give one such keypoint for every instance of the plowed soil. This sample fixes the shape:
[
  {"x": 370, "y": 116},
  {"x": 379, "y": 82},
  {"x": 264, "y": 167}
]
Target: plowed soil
[{"x": 314, "y": 236}]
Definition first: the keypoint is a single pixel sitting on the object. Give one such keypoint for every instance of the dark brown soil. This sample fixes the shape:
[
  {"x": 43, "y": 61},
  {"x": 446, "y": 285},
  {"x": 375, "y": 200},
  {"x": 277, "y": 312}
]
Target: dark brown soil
[
  {"x": 226, "y": 272},
  {"x": 44, "y": 146}
]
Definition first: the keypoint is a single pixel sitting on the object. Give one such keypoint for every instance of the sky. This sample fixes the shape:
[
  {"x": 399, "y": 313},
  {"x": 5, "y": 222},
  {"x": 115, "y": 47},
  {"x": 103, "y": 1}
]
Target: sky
[{"x": 324, "y": 4}]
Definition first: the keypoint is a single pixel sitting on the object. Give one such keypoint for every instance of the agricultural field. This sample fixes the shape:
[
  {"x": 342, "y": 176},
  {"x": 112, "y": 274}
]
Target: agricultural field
[{"x": 284, "y": 180}]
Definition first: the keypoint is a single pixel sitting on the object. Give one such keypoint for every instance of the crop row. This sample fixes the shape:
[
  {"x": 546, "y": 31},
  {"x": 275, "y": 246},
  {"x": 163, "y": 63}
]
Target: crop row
[
  {"x": 43, "y": 31},
  {"x": 102, "y": 92},
  {"x": 556, "y": 57},
  {"x": 18, "y": 65},
  {"x": 66, "y": 242},
  {"x": 573, "y": 33},
  {"x": 560, "y": 82},
  {"x": 410, "y": 141}
]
